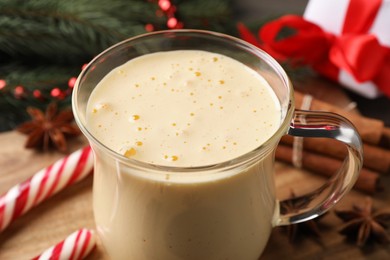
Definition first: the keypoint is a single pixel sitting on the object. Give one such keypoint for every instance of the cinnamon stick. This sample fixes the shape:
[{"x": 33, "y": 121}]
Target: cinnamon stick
[
  {"x": 368, "y": 181},
  {"x": 371, "y": 130},
  {"x": 385, "y": 139},
  {"x": 374, "y": 158}
]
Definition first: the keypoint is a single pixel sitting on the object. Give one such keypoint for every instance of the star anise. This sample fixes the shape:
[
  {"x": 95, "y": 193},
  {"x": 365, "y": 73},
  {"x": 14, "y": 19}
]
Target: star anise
[
  {"x": 49, "y": 128},
  {"x": 299, "y": 230},
  {"x": 364, "y": 223}
]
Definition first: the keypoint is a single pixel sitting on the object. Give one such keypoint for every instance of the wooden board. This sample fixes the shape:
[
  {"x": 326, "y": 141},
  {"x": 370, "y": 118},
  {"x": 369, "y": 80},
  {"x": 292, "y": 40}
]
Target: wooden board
[{"x": 71, "y": 209}]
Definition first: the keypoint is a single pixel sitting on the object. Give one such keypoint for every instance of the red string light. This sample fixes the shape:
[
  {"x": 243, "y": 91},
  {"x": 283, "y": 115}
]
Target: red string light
[
  {"x": 19, "y": 91},
  {"x": 3, "y": 83},
  {"x": 71, "y": 82},
  {"x": 167, "y": 9},
  {"x": 55, "y": 92},
  {"x": 37, "y": 94},
  {"x": 164, "y": 5},
  {"x": 172, "y": 22},
  {"x": 149, "y": 27}
]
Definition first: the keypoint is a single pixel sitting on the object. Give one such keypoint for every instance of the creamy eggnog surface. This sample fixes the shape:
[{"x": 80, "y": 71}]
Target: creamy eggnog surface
[{"x": 183, "y": 108}]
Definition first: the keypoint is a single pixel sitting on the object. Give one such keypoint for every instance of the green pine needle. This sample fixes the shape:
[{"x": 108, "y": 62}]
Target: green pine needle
[{"x": 45, "y": 42}]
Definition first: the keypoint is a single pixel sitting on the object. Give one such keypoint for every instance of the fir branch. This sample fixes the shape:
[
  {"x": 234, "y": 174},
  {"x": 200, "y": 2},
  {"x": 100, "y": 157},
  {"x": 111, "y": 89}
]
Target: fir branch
[
  {"x": 212, "y": 15},
  {"x": 44, "y": 42},
  {"x": 69, "y": 31},
  {"x": 37, "y": 75},
  {"x": 74, "y": 31},
  {"x": 40, "y": 77},
  {"x": 220, "y": 9},
  {"x": 53, "y": 37}
]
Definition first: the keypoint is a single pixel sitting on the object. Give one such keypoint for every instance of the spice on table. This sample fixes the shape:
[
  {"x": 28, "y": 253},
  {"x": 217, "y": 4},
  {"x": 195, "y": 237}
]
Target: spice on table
[
  {"x": 49, "y": 128},
  {"x": 306, "y": 228},
  {"x": 364, "y": 223}
]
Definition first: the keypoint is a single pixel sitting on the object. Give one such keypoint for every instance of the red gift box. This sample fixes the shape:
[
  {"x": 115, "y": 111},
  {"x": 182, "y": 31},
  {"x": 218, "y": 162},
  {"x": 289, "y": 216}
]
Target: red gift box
[
  {"x": 345, "y": 40},
  {"x": 367, "y": 24}
]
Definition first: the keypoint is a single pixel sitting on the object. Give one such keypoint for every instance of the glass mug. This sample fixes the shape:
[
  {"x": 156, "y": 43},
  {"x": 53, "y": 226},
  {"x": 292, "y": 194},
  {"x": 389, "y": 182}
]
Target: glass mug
[{"x": 221, "y": 211}]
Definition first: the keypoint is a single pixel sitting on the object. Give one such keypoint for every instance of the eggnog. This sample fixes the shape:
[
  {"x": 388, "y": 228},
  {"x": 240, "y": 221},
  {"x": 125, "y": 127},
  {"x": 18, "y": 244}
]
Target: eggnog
[{"x": 183, "y": 108}]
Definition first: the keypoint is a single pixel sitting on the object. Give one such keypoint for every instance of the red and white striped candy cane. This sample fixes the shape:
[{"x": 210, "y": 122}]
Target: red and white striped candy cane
[
  {"x": 45, "y": 183},
  {"x": 76, "y": 246}
]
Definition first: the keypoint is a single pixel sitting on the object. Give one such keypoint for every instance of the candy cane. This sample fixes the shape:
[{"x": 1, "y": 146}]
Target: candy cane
[
  {"x": 76, "y": 246},
  {"x": 45, "y": 183}
]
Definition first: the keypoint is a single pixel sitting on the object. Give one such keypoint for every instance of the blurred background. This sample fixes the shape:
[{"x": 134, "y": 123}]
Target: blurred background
[{"x": 45, "y": 43}]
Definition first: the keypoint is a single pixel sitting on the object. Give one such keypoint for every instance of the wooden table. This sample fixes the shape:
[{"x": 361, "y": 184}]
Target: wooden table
[{"x": 71, "y": 209}]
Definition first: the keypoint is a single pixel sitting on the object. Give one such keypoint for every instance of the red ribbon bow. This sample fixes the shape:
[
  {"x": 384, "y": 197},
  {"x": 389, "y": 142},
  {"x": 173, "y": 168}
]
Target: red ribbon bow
[{"x": 355, "y": 51}]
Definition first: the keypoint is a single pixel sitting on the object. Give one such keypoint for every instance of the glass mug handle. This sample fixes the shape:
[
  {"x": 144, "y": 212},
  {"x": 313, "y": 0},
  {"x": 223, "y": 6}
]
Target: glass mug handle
[{"x": 328, "y": 125}]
